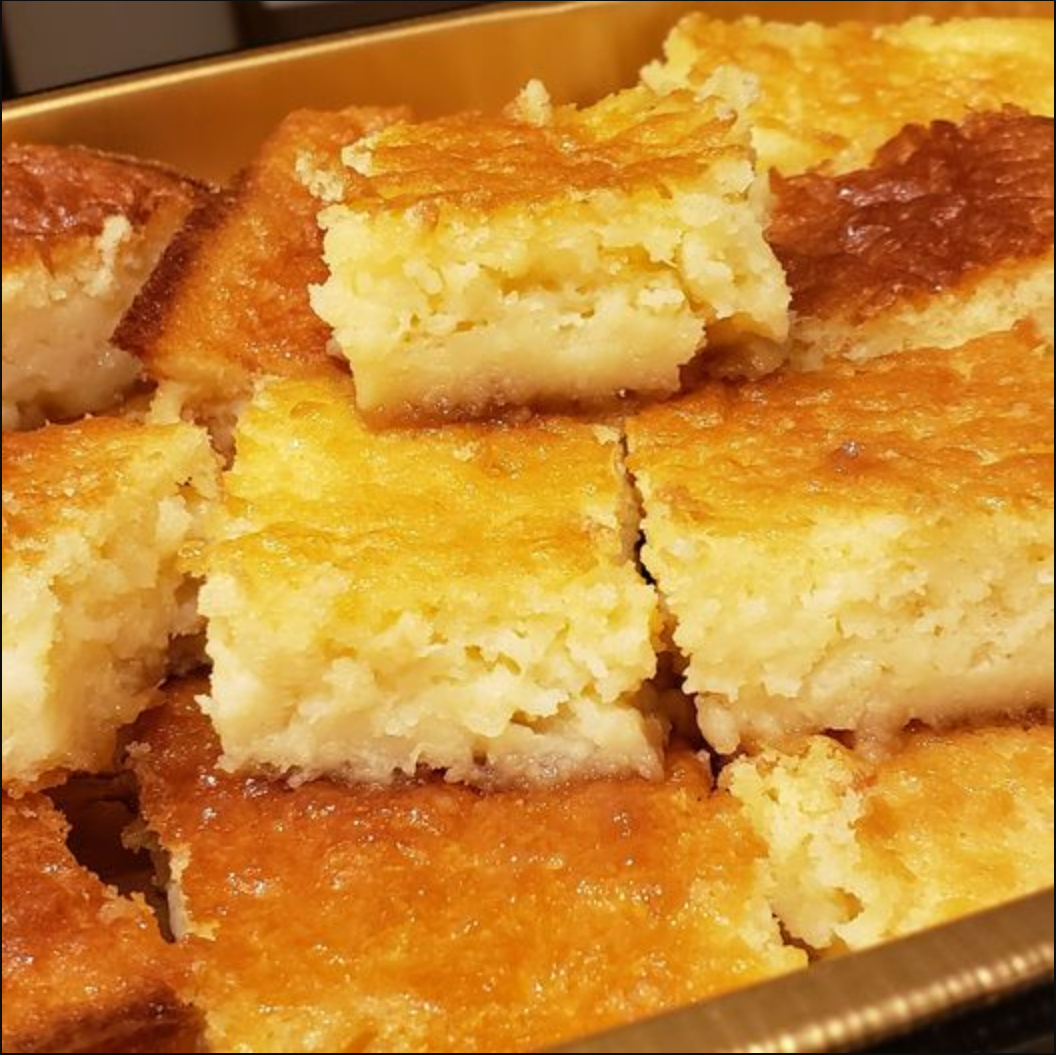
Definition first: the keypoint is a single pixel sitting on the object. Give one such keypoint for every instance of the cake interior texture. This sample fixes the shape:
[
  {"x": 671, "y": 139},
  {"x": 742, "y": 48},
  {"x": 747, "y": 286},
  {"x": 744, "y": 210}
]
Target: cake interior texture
[
  {"x": 96, "y": 516},
  {"x": 863, "y": 850}
]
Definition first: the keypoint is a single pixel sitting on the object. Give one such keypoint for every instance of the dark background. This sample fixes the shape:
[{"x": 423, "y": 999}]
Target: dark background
[{"x": 52, "y": 43}]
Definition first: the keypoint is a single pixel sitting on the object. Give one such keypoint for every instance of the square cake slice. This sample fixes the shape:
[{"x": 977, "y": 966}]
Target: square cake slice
[
  {"x": 429, "y": 917},
  {"x": 461, "y": 598},
  {"x": 829, "y": 96},
  {"x": 865, "y": 848},
  {"x": 82, "y": 231},
  {"x": 229, "y": 302},
  {"x": 855, "y": 550},
  {"x": 945, "y": 237},
  {"x": 85, "y": 969},
  {"x": 546, "y": 257},
  {"x": 96, "y": 514}
]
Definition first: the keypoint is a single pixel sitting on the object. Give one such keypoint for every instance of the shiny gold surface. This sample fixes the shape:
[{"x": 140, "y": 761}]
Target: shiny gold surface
[
  {"x": 207, "y": 117},
  {"x": 842, "y": 1004}
]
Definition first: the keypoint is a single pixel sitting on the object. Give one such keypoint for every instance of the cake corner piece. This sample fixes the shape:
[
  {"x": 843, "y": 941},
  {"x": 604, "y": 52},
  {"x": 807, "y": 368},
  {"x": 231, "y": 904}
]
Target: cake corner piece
[
  {"x": 85, "y": 968},
  {"x": 830, "y": 95},
  {"x": 866, "y": 847},
  {"x": 82, "y": 233}
]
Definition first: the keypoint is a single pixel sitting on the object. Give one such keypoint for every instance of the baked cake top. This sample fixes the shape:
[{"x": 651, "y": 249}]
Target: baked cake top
[
  {"x": 967, "y": 425},
  {"x": 55, "y": 195},
  {"x": 937, "y": 204}
]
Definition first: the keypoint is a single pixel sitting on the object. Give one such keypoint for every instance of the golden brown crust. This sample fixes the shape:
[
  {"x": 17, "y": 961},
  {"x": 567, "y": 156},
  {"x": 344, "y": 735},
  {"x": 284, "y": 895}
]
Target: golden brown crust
[
  {"x": 145, "y": 322},
  {"x": 937, "y": 205},
  {"x": 58, "y": 475},
  {"x": 83, "y": 969},
  {"x": 432, "y": 917},
  {"x": 963, "y": 780},
  {"x": 53, "y": 195},
  {"x": 481, "y": 164},
  {"x": 229, "y": 300},
  {"x": 960, "y": 426},
  {"x": 553, "y": 477}
]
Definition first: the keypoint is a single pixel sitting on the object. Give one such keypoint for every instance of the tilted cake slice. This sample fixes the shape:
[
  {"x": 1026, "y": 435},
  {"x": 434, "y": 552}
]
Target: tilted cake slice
[{"x": 229, "y": 302}]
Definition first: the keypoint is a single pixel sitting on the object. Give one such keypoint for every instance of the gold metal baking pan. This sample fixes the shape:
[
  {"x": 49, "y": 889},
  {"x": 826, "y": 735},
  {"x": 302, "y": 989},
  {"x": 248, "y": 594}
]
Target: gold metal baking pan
[
  {"x": 846, "y": 1003},
  {"x": 207, "y": 117}
]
